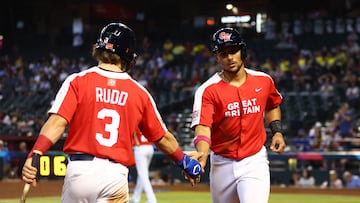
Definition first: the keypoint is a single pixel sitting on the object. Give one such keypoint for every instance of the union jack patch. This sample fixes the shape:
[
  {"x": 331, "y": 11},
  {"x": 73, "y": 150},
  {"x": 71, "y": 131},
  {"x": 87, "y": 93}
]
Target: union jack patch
[
  {"x": 194, "y": 114},
  {"x": 225, "y": 36},
  {"x": 109, "y": 46}
]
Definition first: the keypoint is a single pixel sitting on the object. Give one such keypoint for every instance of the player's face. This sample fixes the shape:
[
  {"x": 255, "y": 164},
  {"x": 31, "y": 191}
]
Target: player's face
[{"x": 229, "y": 58}]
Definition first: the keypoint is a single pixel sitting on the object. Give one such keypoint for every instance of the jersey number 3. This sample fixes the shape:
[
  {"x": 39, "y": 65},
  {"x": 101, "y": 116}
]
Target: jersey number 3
[{"x": 112, "y": 127}]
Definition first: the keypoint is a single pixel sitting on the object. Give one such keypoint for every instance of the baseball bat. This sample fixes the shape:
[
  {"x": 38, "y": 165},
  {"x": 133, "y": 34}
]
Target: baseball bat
[{"x": 35, "y": 162}]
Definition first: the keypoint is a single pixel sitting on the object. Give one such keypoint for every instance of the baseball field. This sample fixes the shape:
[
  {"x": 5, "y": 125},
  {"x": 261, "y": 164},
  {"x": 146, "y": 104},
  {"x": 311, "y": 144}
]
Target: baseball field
[{"x": 49, "y": 192}]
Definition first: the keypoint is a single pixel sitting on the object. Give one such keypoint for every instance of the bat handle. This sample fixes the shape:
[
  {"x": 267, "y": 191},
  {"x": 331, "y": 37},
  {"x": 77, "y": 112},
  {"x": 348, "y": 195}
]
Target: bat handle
[
  {"x": 35, "y": 160},
  {"x": 35, "y": 163}
]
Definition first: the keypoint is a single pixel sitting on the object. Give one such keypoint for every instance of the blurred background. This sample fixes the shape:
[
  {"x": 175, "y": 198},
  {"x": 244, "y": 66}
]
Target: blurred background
[{"x": 310, "y": 48}]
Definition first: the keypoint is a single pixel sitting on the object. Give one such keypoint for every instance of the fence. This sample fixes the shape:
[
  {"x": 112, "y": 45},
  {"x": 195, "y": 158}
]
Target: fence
[{"x": 282, "y": 166}]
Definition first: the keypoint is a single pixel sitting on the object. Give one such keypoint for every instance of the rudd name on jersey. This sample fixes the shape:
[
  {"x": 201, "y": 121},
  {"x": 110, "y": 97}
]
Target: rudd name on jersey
[{"x": 111, "y": 96}]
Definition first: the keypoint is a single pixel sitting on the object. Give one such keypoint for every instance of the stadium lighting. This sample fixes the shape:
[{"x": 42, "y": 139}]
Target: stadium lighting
[
  {"x": 235, "y": 19},
  {"x": 229, "y": 7},
  {"x": 258, "y": 22}
]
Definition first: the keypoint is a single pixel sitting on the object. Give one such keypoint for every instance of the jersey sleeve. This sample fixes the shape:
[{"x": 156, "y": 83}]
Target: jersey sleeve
[
  {"x": 203, "y": 109},
  {"x": 275, "y": 98},
  {"x": 152, "y": 125},
  {"x": 139, "y": 138},
  {"x": 66, "y": 99}
]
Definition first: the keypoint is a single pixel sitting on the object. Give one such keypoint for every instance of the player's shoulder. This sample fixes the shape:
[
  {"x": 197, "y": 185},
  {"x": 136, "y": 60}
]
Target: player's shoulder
[
  {"x": 259, "y": 75},
  {"x": 213, "y": 80},
  {"x": 75, "y": 75},
  {"x": 256, "y": 72}
]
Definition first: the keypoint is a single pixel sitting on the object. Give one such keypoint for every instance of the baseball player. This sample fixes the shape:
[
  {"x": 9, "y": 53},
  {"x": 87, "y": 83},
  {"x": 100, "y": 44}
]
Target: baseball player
[
  {"x": 102, "y": 107},
  {"x": 143, "y": 153},
  {"x": 228, "y": 118}
]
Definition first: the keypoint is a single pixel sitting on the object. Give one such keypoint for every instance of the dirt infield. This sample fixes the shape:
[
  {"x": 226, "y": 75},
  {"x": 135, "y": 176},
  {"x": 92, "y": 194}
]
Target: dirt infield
[{"x": 13, "y": 189}]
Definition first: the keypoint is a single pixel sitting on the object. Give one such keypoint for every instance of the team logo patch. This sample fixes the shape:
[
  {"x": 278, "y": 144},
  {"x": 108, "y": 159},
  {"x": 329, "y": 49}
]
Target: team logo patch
[
  {"x": 225, "y": 36},
  {"x": 111, "y": 82}
]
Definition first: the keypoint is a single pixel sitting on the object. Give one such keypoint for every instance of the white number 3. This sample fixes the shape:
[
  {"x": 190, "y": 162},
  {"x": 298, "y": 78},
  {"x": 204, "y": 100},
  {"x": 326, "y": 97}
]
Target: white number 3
[{"x": 112, "y": 128}]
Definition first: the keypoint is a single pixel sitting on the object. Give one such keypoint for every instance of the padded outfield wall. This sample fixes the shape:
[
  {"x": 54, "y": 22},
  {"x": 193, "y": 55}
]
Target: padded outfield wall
[{"x": 53, "y": 165}]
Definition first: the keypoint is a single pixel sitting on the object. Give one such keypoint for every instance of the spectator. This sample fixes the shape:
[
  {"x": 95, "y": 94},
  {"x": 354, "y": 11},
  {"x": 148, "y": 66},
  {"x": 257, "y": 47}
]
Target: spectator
[
  {"x": 302, "y": 141},
  {"x": 333, "y": 140},
  {"x": 355, "y": 136},
  {"x": 157, "y": 179},
  {"x": 327, "y": 83},
  {"x": 352, "y": 42},
  {"x": 351, "y": 181},
  {"x": 353, "y": 91},
  {"x": 5, "y": 156},
  {"x": 327, "y": 89},
  {"x": 21, "y": 160},
  {"x": 3, "y": 148},
  {"x": 23, "y": 147},
  {"x": 317, "y": 137},
  {"x": 294, "y": 181},
  {"x": 298, "y": 78},
  {"x": 334, "y": 181},
  {"x": 343, "y": 118},
  {"x": 306, "y": 180}
]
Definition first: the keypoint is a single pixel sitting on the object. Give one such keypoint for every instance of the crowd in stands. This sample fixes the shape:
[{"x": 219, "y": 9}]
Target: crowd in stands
[
  {"x": 335, "y": 180},
  {"x": 172, "y": 70}
]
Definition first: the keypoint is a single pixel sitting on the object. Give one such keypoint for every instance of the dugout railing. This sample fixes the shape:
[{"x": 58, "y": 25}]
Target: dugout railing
[{"x": 282, "y": 166}]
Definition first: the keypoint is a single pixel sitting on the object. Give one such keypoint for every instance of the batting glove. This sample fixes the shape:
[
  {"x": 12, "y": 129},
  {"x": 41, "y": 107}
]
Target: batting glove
[{"x": 191, "y": 166}]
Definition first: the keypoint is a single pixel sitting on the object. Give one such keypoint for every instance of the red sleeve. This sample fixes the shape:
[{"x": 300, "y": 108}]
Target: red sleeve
[
  {"x": 66, "y": 99},
  {"x": 207, "y": 110},
  {"x": 275, "y": 98},
  {"x": 140, "y": 139},
  {"x": 152, "y": 125}
]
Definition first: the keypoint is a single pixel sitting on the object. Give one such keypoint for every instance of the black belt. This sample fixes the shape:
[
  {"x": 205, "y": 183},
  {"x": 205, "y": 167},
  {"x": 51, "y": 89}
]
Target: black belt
[
  {"x": 81, "y": 157},
  {"x": 84, "y": 157}
]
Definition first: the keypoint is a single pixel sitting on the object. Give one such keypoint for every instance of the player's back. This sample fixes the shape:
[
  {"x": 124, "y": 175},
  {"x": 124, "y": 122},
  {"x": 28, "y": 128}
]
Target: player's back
[{"x": 103, "y": 109}]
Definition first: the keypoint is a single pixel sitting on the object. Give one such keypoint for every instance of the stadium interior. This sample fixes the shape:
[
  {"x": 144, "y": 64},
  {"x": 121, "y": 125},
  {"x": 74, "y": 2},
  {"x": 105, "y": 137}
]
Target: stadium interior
[{"x": 312, "y": 51}]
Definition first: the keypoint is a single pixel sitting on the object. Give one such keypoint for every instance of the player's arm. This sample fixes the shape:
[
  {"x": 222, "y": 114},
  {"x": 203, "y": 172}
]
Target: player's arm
[
  {"x": 169, "y": 146},
  {"x": 50, "y": 133},
  {"x": 273, "y": 118},
  {"x": 202, "y": 142}
]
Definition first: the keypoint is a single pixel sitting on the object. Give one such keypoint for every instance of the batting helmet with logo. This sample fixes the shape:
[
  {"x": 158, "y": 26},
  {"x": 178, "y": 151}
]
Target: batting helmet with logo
[
  {"x": 120, "y": 39},
  {"x": 228, "y": 37}
]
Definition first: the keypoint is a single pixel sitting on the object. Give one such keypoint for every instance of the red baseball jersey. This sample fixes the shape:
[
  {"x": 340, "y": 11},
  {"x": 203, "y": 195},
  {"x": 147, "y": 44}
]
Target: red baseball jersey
[
  {"x": 235, "y": 114},
  {"x": 140, "y": 139},
  {"x": 103, "y": 109}
]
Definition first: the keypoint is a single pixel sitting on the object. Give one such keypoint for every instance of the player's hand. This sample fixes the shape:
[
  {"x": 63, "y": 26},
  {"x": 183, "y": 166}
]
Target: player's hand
[
  {"x": 200, "y": 157},
  {"x": 191, "y": 169},
  {"x": 278, "y": 143},
  {"x": 29, "y": 172}
]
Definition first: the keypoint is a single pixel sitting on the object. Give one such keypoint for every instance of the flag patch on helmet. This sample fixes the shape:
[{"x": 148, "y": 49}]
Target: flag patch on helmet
[
  {"x": 109, "y": 46},
  {"x": 225, "y": 36}
]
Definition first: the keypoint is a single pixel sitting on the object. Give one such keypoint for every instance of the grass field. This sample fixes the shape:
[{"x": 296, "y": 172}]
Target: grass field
[{"x": 204, "y": 197}]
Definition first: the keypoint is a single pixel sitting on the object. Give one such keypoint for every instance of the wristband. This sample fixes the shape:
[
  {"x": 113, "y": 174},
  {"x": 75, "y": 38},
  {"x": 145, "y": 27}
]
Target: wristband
[
  {"x": 275, "y": 127},
  {"x": 204, "y": 138},
  {"x": 41, "y": 145},
  {"x": 177, "y": 155}
]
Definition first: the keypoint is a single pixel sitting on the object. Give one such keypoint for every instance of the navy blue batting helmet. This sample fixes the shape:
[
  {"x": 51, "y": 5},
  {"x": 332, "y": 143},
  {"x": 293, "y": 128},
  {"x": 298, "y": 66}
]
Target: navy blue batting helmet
[
  {"x": 120, "y": 39},
  {"x": 228, "y": 37}
]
